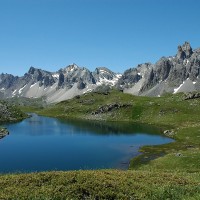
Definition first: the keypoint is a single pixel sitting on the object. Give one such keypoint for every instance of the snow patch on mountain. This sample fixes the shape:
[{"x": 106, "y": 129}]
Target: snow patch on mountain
[
  {"x": 178, "y": 88},
  {"x": 21, "y": 89}
]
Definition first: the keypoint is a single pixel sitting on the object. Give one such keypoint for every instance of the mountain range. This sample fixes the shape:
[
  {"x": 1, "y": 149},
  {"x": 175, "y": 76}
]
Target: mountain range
[{"x": 178, "y": 73}]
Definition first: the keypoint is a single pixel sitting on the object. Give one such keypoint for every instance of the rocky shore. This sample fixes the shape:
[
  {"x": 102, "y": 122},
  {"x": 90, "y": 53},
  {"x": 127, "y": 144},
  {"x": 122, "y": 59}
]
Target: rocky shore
[{"x": 3, "y": 132}]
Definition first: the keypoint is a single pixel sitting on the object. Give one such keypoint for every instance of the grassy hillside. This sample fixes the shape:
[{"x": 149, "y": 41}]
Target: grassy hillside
[
  {"x": 169, "y": 171},
  {"x": 83, "y": 107},
  {"x": 170, "y": 110}
]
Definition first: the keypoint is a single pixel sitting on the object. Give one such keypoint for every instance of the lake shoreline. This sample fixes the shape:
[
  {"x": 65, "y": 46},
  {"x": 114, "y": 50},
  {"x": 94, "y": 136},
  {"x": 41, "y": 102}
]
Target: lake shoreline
[
  {"x": 144, "y": 156},
  {"x": 120, "y": 141}
]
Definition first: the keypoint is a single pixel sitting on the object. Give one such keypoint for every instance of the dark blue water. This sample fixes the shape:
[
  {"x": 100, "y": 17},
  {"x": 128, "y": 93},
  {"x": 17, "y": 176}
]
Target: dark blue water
[{"x": 42, "y": 143}]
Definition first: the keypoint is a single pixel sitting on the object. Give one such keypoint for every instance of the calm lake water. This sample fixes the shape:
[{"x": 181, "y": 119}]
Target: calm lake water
[{"x": 42, "y": 143}]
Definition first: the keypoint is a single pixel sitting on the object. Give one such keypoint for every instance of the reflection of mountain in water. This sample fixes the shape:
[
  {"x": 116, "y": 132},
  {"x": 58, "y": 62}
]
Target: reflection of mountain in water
[
  {"x": 49, "y": 126},
  {"x": 112, "y": 128},
  {"x": 43, "y": 144}
]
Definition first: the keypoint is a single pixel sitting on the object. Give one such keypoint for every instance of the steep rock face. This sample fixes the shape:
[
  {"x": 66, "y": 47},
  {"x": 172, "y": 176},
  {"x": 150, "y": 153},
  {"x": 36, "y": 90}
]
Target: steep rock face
[
  {"x": 179, "y": 73},
  {"x": 134, "y": 79},
  {"x": 130, "y": 76},
  {"x": 37, "y": 75},
  {"x": 181, "y": 55},
  {"x": 187, "y": 49},
  {"x": 73, "y": 74},
  {"x": 7, "y": 80}
]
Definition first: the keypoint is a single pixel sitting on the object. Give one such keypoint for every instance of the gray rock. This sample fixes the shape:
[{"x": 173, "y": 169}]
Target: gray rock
[
  {"x": 181, "y": 53},
  {"x": 169, "y": 133},
  {"x": 109, "y": 107},
  {"x": 170, "y": 74},
  {"x": 81, "y": 85},
  {"x": 187, "y": 49},
  {"x": 3, "y": 132},
  {"x": 61, "y": 79},
  {"x": 191, "y": 95},
  {"x": 178, "y": 154}
]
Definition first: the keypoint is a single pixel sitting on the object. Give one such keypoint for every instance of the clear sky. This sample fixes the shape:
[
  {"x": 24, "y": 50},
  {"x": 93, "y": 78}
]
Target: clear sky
[{"x": 118, "y": 34}]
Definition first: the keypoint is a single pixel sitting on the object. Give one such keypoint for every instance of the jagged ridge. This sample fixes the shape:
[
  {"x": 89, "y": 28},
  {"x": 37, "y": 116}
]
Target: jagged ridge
[
  {"x": 56, "y": 86},
  {"x": 179, "y": 73}
]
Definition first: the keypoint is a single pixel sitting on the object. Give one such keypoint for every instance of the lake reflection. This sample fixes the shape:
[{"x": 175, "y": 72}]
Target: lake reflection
[{"x": 42, "y": 143}]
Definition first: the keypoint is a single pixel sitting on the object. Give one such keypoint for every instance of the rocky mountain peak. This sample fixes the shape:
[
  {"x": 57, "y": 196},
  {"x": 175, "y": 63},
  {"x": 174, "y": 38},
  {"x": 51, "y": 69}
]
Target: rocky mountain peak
[
  {"x": 70, "y": 68},
  {"x": 187, "y": 49},
  {"x": 184, "y": 51},
  {"x": 181, "y": 54},
  {"x": 105, "y": 76},
  {"x": 31, "y": 70},
  {"x": 99, "y": 70}
]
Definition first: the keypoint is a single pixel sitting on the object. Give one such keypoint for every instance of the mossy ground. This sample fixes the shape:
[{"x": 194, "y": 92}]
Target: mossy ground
[{"x": 170, "y": 171}]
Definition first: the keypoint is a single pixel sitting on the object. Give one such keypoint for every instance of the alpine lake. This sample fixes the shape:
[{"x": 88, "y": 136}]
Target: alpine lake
[{"x": 45, "y": 144}]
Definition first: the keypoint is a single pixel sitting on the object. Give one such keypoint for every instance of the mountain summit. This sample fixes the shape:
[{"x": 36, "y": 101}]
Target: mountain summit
[{"x": 178, "y": 73}]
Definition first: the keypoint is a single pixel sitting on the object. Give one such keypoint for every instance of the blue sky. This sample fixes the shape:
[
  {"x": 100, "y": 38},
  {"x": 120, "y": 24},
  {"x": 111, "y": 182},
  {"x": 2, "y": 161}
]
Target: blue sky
[{"x": 118, "y": 34}]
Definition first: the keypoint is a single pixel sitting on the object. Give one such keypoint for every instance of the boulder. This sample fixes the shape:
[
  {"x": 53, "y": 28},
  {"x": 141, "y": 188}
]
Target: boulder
[
  {"x": 169, "y": 133},
  {"x": 109, "y": 107},
  {"x": 3, "y": 132},
  {"x": 191, "y": 95}
]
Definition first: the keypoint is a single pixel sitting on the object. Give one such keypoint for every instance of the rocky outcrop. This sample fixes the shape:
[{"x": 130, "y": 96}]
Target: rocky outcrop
[
  {"x": 187, "y": 49},
  {"x": 61, "y": 79},
  {"x": 169, "y": 133},
  {"x": 181, "y": 53},
  {"x": 109, "y": 108},
  {"x": 191, "y": 95},
  {"x": 81, "y": 85},
  {"x": 3, "y": 132}
]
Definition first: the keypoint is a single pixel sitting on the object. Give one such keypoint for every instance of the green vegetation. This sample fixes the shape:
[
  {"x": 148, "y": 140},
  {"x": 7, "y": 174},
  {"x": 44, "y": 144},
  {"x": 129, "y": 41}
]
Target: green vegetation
[
  {"x": 83, "y": 107},
  {"x": 169, "y": 171},
  {"x": 101, "y": 184},
  {"x": 10, "y": 113}
]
